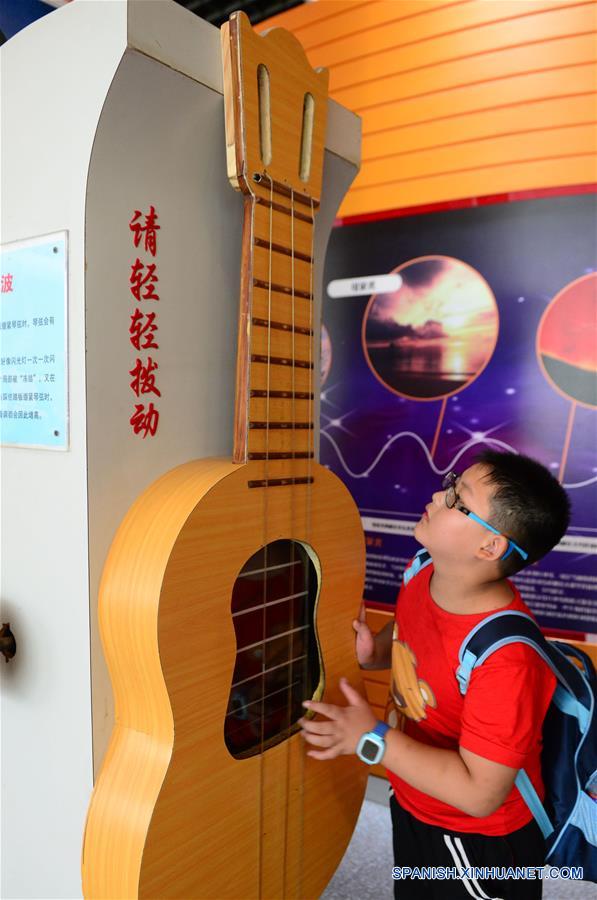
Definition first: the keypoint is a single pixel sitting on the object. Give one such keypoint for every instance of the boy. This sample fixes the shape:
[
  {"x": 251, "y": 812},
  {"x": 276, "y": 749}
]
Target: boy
[{"x": 452, "y": 767}]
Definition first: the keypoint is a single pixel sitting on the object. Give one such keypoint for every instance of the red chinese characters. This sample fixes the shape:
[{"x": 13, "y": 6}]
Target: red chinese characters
[
  {"x": 143, "y": 328},
  {"x": 6, "y": 281},
  {"x": 143, "y": 378},
  {"x": 143, "y": 281},
  {"x": 145, "y": 421},
  {"x": 145, "y": 231}
]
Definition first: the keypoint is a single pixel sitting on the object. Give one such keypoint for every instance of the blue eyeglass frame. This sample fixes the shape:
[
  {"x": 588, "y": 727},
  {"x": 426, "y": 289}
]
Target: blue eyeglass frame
[{"x": 450, "y": 482}]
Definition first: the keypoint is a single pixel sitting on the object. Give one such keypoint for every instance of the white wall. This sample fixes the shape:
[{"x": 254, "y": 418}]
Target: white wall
[{"x": 55, "y": 74}]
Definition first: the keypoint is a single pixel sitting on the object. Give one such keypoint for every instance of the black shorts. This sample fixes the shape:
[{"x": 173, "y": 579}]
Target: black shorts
[{"x": 418, "y": 845}]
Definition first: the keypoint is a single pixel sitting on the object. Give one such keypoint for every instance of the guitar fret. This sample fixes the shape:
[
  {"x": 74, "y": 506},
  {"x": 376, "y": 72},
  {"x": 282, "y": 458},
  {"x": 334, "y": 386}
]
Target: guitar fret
[
  {"x": 280, "y": 482},
  {"x": 278, "y": 307},
  {"x": 298, "y": 455},
  {"x": 282, "y": 425},
  {"x": 284, "y": 441},
  {"x": 279, "y": 207},
  {"x": 281, "y": 269},
  {"x": 280, "y": 248},
  {"x": 282, "y": 326},
  {"x": 281, "y": 361},
  {"x": 287, "y": 395},
  {"x": 283, "y": 378},
  {"x": 281, "y": 229},
  {"x": 281, "y": 289},
  {"x": 280, "y": 188},
  {"x": 274, "y": 469}
]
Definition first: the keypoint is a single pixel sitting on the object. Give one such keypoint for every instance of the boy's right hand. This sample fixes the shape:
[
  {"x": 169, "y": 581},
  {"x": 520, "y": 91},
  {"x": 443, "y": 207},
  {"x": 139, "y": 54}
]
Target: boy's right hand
[{"x": 365, "y": 643}]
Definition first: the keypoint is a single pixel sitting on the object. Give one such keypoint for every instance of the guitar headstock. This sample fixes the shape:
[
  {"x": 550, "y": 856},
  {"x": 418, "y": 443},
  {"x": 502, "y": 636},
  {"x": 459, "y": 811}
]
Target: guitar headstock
[{"x": 276, "y": 109}]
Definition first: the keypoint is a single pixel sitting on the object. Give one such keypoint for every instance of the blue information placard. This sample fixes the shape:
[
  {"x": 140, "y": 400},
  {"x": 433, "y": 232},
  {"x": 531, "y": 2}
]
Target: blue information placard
[{"x": 33, "y": 342}]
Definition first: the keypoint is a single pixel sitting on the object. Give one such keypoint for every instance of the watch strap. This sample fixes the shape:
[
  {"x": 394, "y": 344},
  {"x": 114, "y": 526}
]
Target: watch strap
[{"x": 381, "y": 729}]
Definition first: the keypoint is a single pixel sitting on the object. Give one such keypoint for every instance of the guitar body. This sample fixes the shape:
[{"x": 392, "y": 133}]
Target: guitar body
[{"x": 174, "y": 813}]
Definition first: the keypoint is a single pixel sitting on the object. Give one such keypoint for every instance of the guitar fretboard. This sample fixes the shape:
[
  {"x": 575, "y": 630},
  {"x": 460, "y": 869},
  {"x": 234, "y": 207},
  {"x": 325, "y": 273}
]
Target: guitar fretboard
[{"x": 275, "y": 396}]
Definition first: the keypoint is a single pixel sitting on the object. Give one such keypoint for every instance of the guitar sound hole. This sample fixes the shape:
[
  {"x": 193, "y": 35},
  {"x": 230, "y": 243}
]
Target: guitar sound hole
[{"x": 277, "y": 659}]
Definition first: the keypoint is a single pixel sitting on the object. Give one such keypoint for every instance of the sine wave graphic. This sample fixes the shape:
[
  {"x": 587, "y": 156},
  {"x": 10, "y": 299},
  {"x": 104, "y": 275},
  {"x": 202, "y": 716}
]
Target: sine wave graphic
[{"x": 473, "y": 442}]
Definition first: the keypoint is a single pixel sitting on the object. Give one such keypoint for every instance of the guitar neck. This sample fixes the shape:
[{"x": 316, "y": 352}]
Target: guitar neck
[
  {"x": 276, "y": 107},
  {"x": 274, "y": 416}
]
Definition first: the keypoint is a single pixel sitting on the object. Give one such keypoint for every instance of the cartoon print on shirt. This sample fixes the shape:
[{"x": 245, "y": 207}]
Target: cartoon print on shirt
[{"x": 411, "y": 695}]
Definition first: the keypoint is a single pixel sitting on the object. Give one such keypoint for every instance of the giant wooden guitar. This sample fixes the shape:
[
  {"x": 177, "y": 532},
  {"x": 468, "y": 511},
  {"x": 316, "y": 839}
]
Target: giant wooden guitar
[{"x": 228, "y": 593}]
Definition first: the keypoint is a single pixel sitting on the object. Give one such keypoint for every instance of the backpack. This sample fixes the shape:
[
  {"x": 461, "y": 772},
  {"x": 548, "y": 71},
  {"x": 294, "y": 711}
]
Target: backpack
[{"x": 568, "y": 817}]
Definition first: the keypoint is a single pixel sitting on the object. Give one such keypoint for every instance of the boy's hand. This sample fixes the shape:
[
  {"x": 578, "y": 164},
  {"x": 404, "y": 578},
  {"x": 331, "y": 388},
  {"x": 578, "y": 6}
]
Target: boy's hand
[
  {"x": 340, "y": 732},
  {"x": 365, "y": 644}
]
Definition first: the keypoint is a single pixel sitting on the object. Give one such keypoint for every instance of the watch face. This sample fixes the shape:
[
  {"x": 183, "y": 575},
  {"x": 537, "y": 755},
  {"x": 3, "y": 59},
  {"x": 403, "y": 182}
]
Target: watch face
[{"x": 370, "y": 750}]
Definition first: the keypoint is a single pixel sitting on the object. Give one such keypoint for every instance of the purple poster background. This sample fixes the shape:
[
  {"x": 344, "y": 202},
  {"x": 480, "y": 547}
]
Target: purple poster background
[{"x": 380, "y": 443}]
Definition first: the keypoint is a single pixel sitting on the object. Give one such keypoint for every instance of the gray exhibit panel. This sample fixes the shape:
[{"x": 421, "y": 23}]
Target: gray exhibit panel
[{"x": 109, "y": 108}]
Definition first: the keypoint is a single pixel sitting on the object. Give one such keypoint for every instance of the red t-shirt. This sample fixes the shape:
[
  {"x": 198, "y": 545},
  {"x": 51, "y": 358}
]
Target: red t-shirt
[{"x": 499, "y": 718}]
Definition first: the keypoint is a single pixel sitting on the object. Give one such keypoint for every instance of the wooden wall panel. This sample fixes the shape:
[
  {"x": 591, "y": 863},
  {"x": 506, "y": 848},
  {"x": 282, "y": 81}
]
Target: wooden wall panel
[
  {"x": 501, "y": 179},
  {"x": 409, "y": 51},
  {"x": 466, "y": 155},
  {"x": 446, "y": 78},
  {"x": 459, "y": 98},
  {"x": 536, "y": 115},
  {"x": 510, "y": 97}
]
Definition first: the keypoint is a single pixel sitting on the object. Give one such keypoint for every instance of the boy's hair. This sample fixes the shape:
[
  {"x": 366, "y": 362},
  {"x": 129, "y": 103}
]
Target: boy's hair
[{"x": 528, "y": 505}]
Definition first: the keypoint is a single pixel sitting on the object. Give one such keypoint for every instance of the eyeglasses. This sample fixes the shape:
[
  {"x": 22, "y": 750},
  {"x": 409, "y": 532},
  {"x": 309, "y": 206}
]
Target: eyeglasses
[{"x": 453, "y": 502}]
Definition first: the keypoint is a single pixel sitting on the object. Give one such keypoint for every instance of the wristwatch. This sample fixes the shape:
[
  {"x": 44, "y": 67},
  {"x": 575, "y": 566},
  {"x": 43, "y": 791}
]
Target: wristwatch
[{"x": 372, "y": 745}]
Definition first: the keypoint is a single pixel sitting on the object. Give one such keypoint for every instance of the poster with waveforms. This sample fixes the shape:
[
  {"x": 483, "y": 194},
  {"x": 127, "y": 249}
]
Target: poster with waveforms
[{"x": 486, "y": 338}]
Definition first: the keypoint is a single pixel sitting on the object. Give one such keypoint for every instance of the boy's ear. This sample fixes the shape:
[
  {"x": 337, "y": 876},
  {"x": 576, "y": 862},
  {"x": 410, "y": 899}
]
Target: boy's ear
[{"x": 492, "y": 549}]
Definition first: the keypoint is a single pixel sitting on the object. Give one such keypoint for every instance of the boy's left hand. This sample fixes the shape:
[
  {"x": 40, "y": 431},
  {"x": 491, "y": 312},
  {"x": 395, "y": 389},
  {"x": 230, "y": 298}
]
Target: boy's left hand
[{"x": 343, "y": 727}]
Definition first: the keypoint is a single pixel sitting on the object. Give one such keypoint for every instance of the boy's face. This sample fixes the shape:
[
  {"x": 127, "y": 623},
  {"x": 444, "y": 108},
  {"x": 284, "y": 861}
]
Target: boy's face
[{"x": 448, "y": 533}]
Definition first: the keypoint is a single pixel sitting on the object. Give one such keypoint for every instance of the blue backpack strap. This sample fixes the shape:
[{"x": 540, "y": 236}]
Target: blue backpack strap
[
  {"x": 504, "y": 628},
  {"x": 531, "y": 798},
  {"x": 421, "y": 560}
]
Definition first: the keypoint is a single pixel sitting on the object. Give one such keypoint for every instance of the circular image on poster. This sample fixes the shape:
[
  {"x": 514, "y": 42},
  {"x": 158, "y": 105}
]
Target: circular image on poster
[
  {"x": 326, "y": 353},
  {"x": 567, "y": 344},
  {"x": 434, "y": 335}
]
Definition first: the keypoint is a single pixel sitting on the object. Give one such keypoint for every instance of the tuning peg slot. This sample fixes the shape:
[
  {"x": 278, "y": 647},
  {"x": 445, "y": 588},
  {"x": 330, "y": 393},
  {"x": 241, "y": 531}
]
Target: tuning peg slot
[
  {"x": 265, "y": 115},
  {"x": 307, "y": 137}
]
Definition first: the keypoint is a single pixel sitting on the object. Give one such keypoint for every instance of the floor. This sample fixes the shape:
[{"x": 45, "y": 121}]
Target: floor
[{"x": 365, "y": 873}]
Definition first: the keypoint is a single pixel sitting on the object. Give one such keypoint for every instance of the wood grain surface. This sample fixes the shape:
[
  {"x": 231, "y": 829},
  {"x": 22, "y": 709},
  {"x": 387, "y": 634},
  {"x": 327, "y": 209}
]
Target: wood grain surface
[{"x": 173, "y": 814}]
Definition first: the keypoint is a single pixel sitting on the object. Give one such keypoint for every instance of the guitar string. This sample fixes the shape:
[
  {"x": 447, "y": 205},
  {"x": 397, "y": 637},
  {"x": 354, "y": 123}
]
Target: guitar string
[
  {"x": 292, "y": 511},
  {"x": 265, "y": 539},
  {"x": 292, "y": 546},
  {"x": 263, "y": 590},
  {"x": 311, "y": 449},
  {"x": 267, "y": 416}
]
